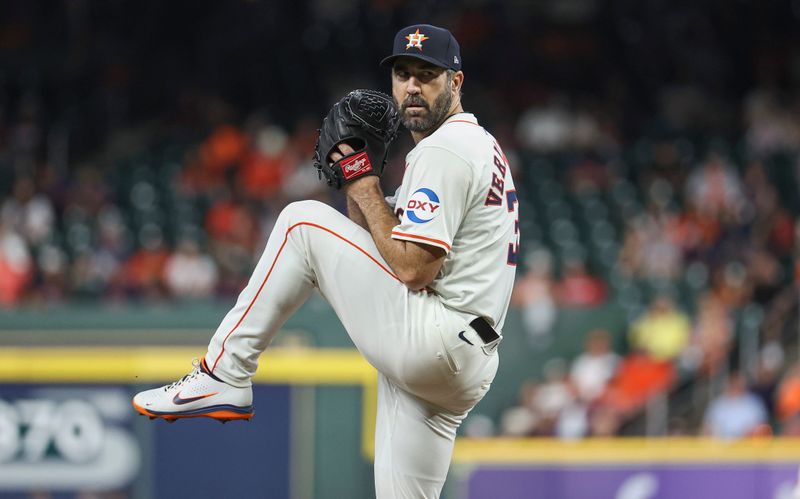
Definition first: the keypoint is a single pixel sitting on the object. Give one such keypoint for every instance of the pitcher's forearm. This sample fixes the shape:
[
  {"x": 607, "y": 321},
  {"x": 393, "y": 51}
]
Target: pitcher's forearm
[
  {"x": 355, "y": 214},
  {"x": 414, "y": 264}
]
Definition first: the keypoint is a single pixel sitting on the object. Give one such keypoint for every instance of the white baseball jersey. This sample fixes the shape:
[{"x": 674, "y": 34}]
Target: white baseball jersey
[{"x": 457, "y": 194}]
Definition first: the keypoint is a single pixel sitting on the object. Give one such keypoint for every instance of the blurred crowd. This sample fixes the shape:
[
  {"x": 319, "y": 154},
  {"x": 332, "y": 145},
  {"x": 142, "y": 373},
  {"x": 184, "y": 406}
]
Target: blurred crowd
[
  {"x": 715, "y": 243},
  {"x": 192, "y": 232},
  {"x": 669, "y": 190}
]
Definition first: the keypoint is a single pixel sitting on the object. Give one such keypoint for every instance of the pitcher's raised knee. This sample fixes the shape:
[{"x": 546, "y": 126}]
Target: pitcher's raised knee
[{"x": 306, "y": 211}]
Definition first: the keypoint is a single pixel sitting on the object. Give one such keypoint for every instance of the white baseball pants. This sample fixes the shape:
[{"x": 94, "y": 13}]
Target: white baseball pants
[{"x": 429, "y": 378}]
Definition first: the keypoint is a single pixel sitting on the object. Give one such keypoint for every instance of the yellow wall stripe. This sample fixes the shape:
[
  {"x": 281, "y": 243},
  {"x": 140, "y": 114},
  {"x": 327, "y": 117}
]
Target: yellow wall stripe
[
  {"x": 625, "y": 450},
  {"x": 165, "y": 364}
]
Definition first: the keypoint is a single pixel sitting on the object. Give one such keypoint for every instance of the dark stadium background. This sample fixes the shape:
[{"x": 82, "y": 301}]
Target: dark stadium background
[{"x": 146, "y": 148}]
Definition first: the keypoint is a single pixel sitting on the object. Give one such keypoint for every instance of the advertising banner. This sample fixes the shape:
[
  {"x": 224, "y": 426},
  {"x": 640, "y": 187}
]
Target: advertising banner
[
  {"x": 661, "y": 481},
  {"x": 87, "y": 438}
]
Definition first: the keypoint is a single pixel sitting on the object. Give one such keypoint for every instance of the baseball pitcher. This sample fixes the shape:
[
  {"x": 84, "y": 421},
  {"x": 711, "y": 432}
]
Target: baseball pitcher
[{"x": 421, "y": 280}]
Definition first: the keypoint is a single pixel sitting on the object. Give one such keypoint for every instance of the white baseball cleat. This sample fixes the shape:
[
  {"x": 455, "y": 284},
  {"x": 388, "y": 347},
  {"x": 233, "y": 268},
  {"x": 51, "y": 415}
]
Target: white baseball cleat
[{"x": 198, "y": 394}]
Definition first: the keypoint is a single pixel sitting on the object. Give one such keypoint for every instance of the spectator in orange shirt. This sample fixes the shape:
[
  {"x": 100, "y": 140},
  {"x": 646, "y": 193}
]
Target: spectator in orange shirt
[
  {"x": 208, "y": 166},
  {"x": 229, "y": 220},
  {"x": 638, "y": 377},
  {"x": 266, "y": 166},
  {"x": 223, "y": 148},
  {"x": 141, "y": 274},
  {"x": 788, "y": 400}
]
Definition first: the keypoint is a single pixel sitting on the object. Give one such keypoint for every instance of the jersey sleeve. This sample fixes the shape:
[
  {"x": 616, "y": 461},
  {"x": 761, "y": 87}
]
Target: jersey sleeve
[{"x": 438, "y": 197}]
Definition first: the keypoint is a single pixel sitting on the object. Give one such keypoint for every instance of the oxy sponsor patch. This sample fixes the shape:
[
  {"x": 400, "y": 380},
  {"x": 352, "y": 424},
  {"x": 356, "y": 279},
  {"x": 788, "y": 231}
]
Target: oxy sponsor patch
[{"x": 423, "y": 206}]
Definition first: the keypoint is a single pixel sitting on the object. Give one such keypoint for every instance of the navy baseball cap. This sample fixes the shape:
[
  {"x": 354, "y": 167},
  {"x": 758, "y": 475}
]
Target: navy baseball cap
[{"x": 429, "y": 43}]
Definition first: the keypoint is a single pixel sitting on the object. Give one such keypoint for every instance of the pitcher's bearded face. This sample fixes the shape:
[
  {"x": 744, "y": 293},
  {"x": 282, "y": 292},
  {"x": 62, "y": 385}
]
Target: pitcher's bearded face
[
  {"x": 418, "y": 116},
  {"x": 422, "y": 94}
]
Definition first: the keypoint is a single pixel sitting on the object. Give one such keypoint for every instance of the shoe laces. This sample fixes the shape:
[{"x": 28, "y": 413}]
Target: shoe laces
[{"x": 191, "y": 375}]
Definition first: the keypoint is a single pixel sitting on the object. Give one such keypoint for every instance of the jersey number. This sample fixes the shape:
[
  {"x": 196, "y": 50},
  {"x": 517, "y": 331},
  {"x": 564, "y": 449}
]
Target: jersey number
[{"x": 513, "y": 247}]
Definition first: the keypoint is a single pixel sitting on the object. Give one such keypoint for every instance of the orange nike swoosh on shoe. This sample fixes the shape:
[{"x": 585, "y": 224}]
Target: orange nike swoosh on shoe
[{"x": 178, "y": 400}]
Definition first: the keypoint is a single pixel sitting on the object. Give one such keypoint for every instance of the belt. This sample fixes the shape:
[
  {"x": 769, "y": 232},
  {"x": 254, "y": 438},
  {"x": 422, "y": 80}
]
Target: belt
[{"x": 485, "y": 331}]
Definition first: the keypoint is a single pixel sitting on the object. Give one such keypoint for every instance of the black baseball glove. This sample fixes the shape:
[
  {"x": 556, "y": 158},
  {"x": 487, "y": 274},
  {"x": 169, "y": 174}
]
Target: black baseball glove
[{"x": 367, "y": 121}]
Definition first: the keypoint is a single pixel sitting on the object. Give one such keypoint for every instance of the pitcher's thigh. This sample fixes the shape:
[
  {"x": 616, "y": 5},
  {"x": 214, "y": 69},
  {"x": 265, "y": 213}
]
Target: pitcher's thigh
[{"x": 351, "y": 274}]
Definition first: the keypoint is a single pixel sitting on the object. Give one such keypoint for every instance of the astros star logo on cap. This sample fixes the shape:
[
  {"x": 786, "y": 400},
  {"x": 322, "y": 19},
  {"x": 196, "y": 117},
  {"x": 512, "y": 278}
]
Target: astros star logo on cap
[{"x": 415, "y": 39}]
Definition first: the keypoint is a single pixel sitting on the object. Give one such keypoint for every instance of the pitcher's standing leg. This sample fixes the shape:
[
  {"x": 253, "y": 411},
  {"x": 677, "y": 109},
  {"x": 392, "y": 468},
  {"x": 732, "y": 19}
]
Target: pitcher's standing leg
[{"x": 413, "y": 444}]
